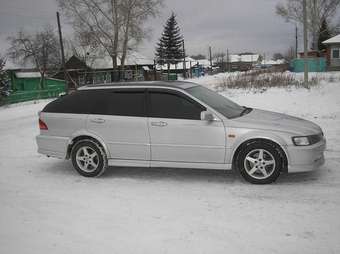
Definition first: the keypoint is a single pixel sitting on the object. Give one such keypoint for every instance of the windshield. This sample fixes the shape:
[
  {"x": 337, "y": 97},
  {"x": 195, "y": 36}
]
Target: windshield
[{"x": 218, "y": 102}]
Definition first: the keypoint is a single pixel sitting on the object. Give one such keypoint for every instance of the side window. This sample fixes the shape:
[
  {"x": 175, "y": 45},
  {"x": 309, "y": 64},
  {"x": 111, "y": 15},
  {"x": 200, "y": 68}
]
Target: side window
[
  {"x": 172, "y": 105},
  {"x": 75, "y": 103},
  {"x": 120, "y": 103},
  {"x": 336, "y": 53}
]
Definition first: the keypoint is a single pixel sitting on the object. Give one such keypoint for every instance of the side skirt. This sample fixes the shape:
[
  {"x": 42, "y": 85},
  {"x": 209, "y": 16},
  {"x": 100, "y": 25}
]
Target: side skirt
[{"x": 167, "y": 164}]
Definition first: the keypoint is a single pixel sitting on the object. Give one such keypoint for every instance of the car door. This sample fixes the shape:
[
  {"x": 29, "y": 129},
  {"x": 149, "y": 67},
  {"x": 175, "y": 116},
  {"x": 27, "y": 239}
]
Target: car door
[
  {"x": 119, "y": 118},
  {"x": 177, "y": 132}
]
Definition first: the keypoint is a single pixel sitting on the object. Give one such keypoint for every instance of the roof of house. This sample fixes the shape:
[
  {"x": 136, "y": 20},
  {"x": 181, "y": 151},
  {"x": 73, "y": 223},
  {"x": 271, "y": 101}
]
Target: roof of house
[
  {"x": 273, "y": 62},
  {"x": 20, "y": 74},
  {"x": 335, "y": 39},
  {"x": 246, "y": 58},
  {"x": 105, "y": 62},
  {"x": 189, "y": 62},
  {"x": 164, "y": 84}
]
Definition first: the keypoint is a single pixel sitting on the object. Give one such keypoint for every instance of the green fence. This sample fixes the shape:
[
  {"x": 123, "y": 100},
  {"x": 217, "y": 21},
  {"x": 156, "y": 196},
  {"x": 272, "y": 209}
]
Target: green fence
[
  {"x": 314, "y": 65},
  {"x": 22, "y": 96}
]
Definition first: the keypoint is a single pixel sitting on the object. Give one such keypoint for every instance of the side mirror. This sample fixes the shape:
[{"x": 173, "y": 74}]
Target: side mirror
[{"x": 207, "y": 116}]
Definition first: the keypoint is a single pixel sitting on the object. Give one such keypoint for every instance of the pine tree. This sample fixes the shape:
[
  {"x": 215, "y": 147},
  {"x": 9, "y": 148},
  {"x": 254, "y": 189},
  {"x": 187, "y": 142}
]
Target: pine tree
[
  {"x": 324, "y": 34},
  {"x": 3, "y": 73},
  {"x": 3, "y": 78},
  {"x": 169, "y": 48}
]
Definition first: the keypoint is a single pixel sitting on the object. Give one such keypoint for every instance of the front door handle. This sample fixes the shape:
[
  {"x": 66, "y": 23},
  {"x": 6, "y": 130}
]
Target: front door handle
[
  {"x": 159, "y": 124},
  {"x": 98, "y": 120}
]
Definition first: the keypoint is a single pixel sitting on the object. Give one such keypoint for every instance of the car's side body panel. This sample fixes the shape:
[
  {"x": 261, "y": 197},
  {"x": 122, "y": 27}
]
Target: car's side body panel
[
  {"x": 187, "y": 140},
  {"x": 127, "y": 138}
]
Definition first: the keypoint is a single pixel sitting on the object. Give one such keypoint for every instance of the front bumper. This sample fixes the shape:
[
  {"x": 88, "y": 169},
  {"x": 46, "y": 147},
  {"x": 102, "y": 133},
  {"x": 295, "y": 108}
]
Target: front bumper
[{"x": 306, "y": 158}]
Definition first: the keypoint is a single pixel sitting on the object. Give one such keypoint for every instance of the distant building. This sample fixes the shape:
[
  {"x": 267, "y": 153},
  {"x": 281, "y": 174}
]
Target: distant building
[
  {"x": 243, "y": 62},
  {"x": 99, "y": 69},
  {"x": 333, "y": 53}
]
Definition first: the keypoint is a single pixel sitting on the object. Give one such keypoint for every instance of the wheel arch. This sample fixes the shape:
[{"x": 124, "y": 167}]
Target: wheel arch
[
  {"x": 272, "y": 141},
  {"x": 83, "y": 136}
]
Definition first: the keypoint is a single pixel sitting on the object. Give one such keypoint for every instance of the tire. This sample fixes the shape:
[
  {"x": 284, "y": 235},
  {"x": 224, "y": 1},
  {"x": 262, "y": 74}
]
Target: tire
[
  {"x": 260, "y": 162},
  {"x": 88, "y": 158}
]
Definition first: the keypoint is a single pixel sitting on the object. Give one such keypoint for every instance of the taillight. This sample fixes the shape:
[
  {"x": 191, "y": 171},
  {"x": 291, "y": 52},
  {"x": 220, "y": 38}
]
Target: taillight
[{"x": 42, "y": 125}]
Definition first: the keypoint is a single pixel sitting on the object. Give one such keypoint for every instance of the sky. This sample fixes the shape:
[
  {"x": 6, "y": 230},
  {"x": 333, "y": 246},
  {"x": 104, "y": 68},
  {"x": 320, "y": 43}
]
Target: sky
[{"x": 236, "y": 25}]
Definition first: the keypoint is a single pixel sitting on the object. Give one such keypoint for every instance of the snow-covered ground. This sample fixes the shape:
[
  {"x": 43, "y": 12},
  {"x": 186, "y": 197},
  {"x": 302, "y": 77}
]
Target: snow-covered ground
[{"x": 46, "y": 207}]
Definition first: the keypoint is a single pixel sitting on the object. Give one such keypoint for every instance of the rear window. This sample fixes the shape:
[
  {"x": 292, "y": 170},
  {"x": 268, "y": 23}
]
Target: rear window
[
  {"x": 126, "y": 102},
  {"x": 75, "y": 103}
]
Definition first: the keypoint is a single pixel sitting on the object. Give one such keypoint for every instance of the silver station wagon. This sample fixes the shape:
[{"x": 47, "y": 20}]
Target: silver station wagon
[{"x": 177, "y": 125}]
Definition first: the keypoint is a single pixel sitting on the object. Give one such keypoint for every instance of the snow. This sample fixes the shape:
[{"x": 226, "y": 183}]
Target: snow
[
  {"x": 273, "y": 62},
  {"x": 189, "y": 62},
  {"x": 27, "y": 74},
  {"x": 335, "y": 39},
  {"x": 133, "y": 58},
  {"x": 247, "y": 58},
  {"x": 46, "y": 207}
]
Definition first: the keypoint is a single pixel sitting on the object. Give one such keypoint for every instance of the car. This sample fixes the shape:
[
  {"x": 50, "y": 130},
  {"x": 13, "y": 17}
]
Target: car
[{"x": 175, "y": 125}]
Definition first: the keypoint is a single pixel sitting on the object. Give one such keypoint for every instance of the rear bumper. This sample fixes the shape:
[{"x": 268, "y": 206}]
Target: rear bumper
[
  {"x": 308, "y": 158},
  {"x": 52, "y": 146}
]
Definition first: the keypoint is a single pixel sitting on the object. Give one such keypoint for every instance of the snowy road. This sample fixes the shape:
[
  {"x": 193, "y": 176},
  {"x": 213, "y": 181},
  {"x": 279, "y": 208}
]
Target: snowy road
[{"x": 46, "y": 207}]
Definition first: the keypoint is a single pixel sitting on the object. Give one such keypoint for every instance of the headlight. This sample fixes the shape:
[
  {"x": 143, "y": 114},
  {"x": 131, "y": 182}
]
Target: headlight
[
  {"x": 307, "y": 140},
  {"x": 301, "y": 141}
]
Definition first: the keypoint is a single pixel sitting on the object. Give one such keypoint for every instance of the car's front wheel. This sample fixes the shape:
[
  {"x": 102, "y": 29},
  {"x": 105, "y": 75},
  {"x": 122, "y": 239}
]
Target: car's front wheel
[
  {"x": 88, "y": 158},
  {"x": 260, "y": 162}
]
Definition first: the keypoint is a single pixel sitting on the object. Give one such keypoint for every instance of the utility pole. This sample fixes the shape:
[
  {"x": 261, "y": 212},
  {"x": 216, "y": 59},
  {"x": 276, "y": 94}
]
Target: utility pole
[
  {"x": 228, "y": 61},
  {"x": 62, "y": 53},
  {"x": 305, "y": 42},
  {"x": 210, "y": 58},
  {"x": 296, "y": 42},
  {"x": 184, "y": 63}
]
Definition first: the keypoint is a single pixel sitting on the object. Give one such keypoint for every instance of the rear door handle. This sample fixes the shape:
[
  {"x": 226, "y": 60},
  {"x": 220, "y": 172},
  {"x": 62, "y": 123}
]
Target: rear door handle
[
  {"x": 159, "y": 124},
  {"x": 98, "y": 120}
]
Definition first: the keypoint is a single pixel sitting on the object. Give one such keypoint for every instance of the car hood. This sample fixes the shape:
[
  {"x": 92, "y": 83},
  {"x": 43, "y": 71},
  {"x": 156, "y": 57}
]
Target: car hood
[{"x": 262, "y": 119}]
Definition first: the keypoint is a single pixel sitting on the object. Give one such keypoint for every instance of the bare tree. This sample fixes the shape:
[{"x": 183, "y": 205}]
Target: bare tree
[
  {"x": 110, "y": 24},
  {"x": 98, "y": 19},
  {"x": 289, "y": 54},
  {"x": 41, "y": 49},
  {"x": 198, "y": 57},
  {"x": 135, "y": 13},
  {"x": 317, "y": 11},
  {"x": 277, "y": 56}
]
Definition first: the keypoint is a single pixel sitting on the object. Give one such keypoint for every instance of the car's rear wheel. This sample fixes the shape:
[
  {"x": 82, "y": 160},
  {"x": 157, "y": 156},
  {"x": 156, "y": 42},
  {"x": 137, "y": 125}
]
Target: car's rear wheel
[
  {"x": 260, "y": 162},
  {"x": 88, "y": 158}
]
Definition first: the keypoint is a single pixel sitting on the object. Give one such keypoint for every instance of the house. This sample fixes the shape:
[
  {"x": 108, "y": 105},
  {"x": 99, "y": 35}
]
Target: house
[
  {"x": 333, "y": 53},
  {"x": 97, "y": 69},
  {"x": 27, "y": 84},
  {"x": 192, "y": 68},
  {"x": 243, "y": 62}
]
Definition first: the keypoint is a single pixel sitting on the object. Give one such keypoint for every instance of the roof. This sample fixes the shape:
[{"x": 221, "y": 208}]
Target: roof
[
  {"x": 335, "y": 39},
  {"x": 19, "y": 74},
  {"x": 132, "y": 58},
  {"x": 163, "y": 84},
  {"x": 246, "y": 58},
  {"x": 188, "y": 60},
  {"x": 273, "y": 62}
]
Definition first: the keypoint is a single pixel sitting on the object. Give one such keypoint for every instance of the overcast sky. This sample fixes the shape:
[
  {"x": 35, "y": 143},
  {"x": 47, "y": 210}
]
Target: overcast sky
[{"x": 239, "y": 25}]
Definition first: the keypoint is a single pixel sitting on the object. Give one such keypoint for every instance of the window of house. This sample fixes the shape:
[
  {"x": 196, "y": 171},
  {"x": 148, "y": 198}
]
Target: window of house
[{"x": 336, "y": 53}]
